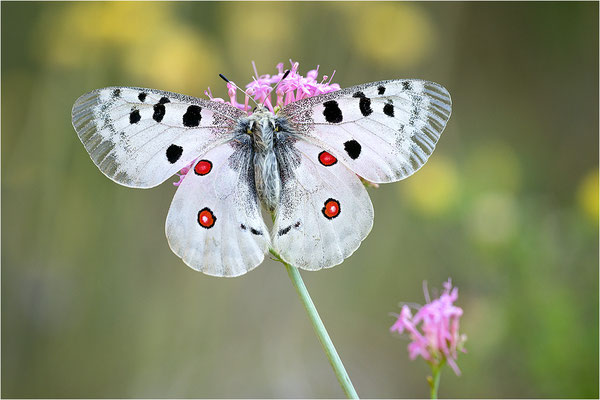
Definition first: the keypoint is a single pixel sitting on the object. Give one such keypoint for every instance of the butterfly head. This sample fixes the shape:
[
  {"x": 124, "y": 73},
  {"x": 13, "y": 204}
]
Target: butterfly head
[
  {"x": 261, "y": 109},
  {"x": 264, "y": 128}
]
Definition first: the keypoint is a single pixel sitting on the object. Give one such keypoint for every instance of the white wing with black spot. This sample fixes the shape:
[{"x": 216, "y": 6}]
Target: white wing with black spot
[
  {"x": 324, "y": 211},
  {"x": 384, "y": 131},
  {"x": 214, "y": 223},
  {"x": 140, "y": 137}
]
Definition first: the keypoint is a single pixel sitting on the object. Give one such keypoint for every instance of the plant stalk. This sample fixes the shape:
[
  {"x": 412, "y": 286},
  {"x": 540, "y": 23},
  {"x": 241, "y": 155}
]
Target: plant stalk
[
  {"x": 315, "y": 319},
  {"x": 434, "y": 382}
]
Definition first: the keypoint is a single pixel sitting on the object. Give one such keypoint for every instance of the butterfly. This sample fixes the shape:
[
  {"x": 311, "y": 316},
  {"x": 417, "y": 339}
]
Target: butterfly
[{"x": 302, "y": 164}]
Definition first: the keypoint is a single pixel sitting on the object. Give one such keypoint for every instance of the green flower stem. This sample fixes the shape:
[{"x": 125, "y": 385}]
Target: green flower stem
[
  {"x": 434, "y": 380},
  {"x": 328, "y": 347}
]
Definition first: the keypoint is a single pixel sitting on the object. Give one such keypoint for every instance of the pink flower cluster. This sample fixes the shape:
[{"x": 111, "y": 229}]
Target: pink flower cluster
[
  {"x": 293, "y": 87},
  {"x": 437, "y": 339}
]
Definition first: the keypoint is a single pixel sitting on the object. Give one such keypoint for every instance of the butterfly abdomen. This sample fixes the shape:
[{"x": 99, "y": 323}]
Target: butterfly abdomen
[{"x": 266, "y": 170}]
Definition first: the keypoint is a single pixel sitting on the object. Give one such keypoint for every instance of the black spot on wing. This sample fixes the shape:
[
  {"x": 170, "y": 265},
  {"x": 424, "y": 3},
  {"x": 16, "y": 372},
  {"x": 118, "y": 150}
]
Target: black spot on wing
[
  {"x": 192, "y": 116},
  {"x": 353, "y": 148},
  {"x": 284, "y": 231},
  {"x": 174, "y": 153},
  {"x": 142, "y": 96},
  {"x": 164, "y": 100},
  {"x": 116, "y": 93},
  {"x": 388, "y": 109},
  {"x": 159, "y": 112},
  {"x": 332, "y": 112},
  {"x": 134, "y": 117},
  {"x": 255, "y": 232},
  {"x": 243, "y": 227},
  {"x": 287, "y": 229},
  {"x": 406, "y": 85},
  {"x": 381, "y": 90},
  {"x": 364, "y": 104}
]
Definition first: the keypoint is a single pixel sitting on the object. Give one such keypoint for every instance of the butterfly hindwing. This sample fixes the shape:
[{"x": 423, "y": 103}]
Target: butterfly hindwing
[
  {"x": 214, "y": 223},
  {"x": 324, "y": 211},
  {"x": 384, "y": 131},
  {"x": 140, "y": 137}
]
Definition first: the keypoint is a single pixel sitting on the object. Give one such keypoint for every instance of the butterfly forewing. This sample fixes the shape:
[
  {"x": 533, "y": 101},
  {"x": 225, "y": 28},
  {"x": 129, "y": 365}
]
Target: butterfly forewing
[
  {"x": 384, "y": 131},
  {"x": 214, "y": 223},
  {"x": 140, "y": 137}
]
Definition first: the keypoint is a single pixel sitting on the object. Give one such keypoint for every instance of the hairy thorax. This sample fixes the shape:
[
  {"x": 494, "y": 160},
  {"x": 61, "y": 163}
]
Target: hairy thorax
[{"x": 264, "y": 129}]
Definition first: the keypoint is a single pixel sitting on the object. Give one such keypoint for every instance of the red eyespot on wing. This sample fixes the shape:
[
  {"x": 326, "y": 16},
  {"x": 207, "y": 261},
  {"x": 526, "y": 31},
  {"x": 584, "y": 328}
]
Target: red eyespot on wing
[
  {"x": 203, "y": 167},
  {"x": 206, "y": 218},
  {"x": 331, "y": 208},
  {"x": 327, "y": 159}
]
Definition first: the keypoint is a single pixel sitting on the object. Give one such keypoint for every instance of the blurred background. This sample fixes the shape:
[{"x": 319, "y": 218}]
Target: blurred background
[{"x": 94, "y": 304}]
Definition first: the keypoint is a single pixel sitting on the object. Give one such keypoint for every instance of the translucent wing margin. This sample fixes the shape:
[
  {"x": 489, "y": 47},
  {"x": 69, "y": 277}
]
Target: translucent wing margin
[
  {"x": 140, "y": 137},
  {"x": 384, "y": 131}
]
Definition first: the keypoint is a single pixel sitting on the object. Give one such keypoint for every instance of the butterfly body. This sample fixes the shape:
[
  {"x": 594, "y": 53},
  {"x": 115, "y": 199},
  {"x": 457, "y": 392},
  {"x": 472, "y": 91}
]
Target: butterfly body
[
  {"x": 302, "y": 164},
  {"x": 265, "y": 130}
]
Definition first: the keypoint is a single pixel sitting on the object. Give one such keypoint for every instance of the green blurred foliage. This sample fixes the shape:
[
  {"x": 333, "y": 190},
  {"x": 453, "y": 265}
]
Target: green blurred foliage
[{"x": 94, "y": 304}]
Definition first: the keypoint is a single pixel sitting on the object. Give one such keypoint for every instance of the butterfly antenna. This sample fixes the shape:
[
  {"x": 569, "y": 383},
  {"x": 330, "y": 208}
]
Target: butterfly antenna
[
  {"x": 286, "y": 73},
  {"x": 239, "y": 88}
]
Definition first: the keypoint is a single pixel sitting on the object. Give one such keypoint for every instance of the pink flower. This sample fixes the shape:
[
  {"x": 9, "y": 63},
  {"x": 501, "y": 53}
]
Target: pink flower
[
  {"x": 293, "y": 87},
  {"x": 437, "y": 338},
  {"x": 181, "y": 174}
]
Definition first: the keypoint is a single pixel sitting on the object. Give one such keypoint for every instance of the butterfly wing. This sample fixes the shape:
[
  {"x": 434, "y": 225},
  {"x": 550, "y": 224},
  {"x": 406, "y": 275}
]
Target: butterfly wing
[
  {"x": 384, "y": 131},
  {"x": 214, "y": 223},
  {"x": 324, "y": 211},
  {"x": 140, "y": 137}
]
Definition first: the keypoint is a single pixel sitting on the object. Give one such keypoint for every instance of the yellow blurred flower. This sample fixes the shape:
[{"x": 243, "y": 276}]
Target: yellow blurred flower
[
  {"x": 179, "y": 61},
  {"x": 116, "y": 22},
  {"x": 587, "y": 195},
  {"x": 145, "y": 40},
  {"x": 81, "y": 33},
  {"x": 434, "y": 188},
  {"x": 391, "y": 34}
]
